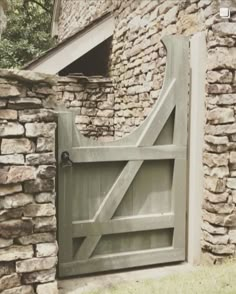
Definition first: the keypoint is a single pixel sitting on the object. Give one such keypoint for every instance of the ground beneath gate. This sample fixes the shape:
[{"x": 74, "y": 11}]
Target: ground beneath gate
[{"x": 84, "y": 285}]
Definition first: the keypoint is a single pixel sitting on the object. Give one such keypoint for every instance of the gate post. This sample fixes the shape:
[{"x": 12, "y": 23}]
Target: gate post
[{"x": 196, "y": 139}]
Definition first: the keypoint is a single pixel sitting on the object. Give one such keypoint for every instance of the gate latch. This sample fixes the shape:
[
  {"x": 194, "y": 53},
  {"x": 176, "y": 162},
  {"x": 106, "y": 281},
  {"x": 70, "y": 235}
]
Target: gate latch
[{"x": 65, "y": 159}]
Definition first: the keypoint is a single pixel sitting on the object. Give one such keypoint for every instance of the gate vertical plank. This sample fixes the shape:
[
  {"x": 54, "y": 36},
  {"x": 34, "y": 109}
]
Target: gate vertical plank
[
  {"x": 182, "y": 70},
  {"x": 65, "y": 199},
  {"x": 179, "y": 203}
]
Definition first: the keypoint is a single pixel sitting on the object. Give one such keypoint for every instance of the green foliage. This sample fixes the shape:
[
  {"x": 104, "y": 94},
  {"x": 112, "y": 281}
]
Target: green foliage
[{"x": 28, "y": 32}]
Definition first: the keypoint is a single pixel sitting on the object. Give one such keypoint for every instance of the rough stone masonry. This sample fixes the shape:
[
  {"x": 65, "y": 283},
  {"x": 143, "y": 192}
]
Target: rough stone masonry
[{"x": 28, "y": 247}]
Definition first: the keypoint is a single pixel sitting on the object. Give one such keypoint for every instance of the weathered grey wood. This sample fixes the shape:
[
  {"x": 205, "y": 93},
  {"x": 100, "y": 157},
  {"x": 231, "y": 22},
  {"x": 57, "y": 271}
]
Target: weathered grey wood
[
  {"x": 179, "y": 203},
  {"x": 150, "y": 191},
  {"x": 110, "y": 204},
  {"x": 124, "y": 260},
  {"x": 196, "y": 143},
  {"x": 87, "y": 247},
  {"x": 123, "y": 225},
  {"x": 103, "y": 154},
  {"x": 128, "y": 197},
  {"x": 65, "y": 220}
]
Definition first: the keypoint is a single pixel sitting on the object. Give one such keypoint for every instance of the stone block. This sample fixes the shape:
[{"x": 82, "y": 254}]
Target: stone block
[
  {"x": 11, "y": 214},
  {"x": 222, "y": 57},
  {"x": 221, "y": 76},
  {"x": 6, "y": 268},
  {"x": 219, "y": 249},
  {"x": 3, "y": 103},
  {"x": 219, "y": 88},
  {"x": 231, "y": 183},
  {"x": 8, "y": 114},
  {"x": 221, "y": 208},
  {"x": 15, "y": 228},
  {"x": 45, "y": 198},
  {"x": 11, "y": 129},
  {"x": 12, "y": 159},
  {"x": 224, "y": 29},
  {"x": 212, "y": 159},
  {"x": 16, "y": 174},
  {"x": 22, "y": 103},
  {"x": 5, "y": 243},
  {"x": 45, "y": 224},
  {"x": 226, "y": 99},
  {"x": 215, "y": 230},
  {"x": 220, "y": 171},
  {"x": 216, "y": 197},
  {"x": 39, "y": 185},
  {"x": 46, "y": 249},
  {"x": 11, "y": 146},
  {"x": 166, "y": 5},
  {"x": 37, "y": 238},
  {"x": 171, "y": 16},
  {"x": 42, "y": 158},
  {"x": 16, "y": 252},
  {"x": 230, "y": 220},
  {"x": 16, "y": 200},
  {"x": 217, "y": 140},
  {"x": 232, "y": 235},
  {"x": 34, "y": 210},
  {"x": 232, "y": 157},
  {"x": 221, "y": 115},
  {"x": 40, "y": 129},
  {"x": 46, "y": 171},
  {"x": 10, "y": 189},
  {"x": 20, "y": 290},
  {"x": 9, "y": 281},
  {"x": 7, "y": 90},
  {"x": 49, "y": 288},
  {"x": 39, "y": 277},
  {"x": 37, "y": 115},
  {"x": 35, "y": 264},
  {"x": 227, "y": 129},
  {"x": 45, "y": 144},
  {"x": 213, "y": 218},
  {"x": 214, "y": 184},
  {"x": 215, "y": 239}
]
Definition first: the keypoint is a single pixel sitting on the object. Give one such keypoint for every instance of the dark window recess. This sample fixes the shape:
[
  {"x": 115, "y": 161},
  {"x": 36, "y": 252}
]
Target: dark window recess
[{"x": 95, "y": 62}]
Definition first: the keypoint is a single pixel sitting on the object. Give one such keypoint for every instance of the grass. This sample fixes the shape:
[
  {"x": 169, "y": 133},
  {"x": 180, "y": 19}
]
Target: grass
[{"x": 218, "y": 279}]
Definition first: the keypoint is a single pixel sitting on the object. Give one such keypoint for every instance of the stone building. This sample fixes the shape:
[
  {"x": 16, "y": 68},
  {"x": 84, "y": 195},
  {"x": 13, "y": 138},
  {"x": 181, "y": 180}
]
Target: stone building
[{"x": 111, "y": 65}]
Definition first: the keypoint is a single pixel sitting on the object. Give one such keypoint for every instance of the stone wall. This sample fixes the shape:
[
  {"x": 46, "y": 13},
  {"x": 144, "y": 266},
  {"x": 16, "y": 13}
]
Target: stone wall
[
  {"x": 77, "y": 14},
  {"x": 219, "y": 157},
  {"x": 28, "y": 247},
  {"x": 92, "y": 98}
]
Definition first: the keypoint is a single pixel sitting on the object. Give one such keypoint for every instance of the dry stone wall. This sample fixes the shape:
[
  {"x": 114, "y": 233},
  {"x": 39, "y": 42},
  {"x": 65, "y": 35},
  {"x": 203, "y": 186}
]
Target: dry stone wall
[
  {"x": 219, "y": 157},
  {"x": 28, "y": 247},
  {"x": 92, "y": 98},
  {"x": 77, "y": 14}
]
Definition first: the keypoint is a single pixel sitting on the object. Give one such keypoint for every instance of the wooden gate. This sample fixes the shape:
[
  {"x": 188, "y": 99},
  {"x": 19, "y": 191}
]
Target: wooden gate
[{"x": 122, "y": 204}]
